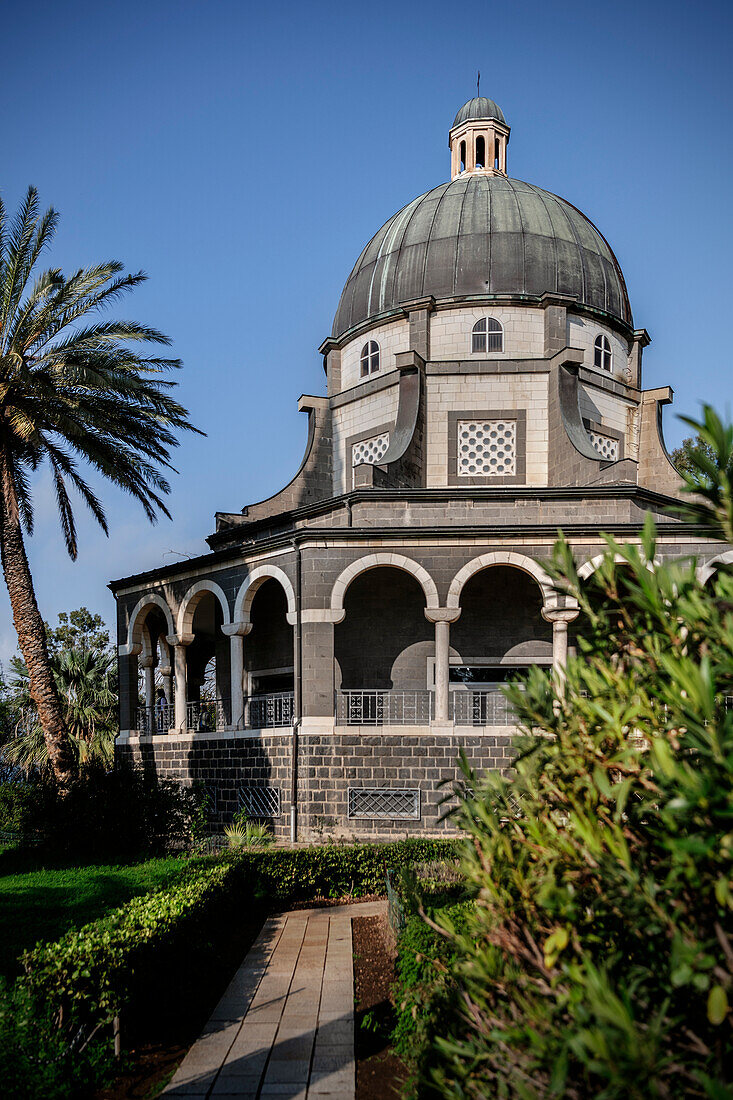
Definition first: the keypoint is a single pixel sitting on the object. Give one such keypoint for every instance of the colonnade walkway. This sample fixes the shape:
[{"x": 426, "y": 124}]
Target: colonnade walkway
[{"x": 285, "y": 1025}]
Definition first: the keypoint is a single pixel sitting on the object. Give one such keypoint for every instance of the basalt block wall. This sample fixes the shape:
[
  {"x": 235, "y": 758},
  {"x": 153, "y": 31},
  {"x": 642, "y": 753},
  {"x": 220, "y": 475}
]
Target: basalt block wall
[{"x": 328, "y": 766}]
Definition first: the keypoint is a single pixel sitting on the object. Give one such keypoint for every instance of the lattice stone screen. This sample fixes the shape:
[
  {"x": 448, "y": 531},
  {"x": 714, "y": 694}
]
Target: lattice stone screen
[
  {"x": 259, "y": 800},
  {"x": 390, "y": 803},
  {"x": 487, "y": 448},
  {"x": 606, "y": 447},
  {"x": 370, "y": 450}
]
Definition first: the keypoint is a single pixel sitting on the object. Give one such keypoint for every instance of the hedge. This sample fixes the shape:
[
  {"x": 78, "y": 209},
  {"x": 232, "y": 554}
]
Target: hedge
[
  {"x": 88, "y": 972},
  {"x": 424, "y": 992},
  {"x": 89, "y": 976},
  {"x": 334, "y": 871}
]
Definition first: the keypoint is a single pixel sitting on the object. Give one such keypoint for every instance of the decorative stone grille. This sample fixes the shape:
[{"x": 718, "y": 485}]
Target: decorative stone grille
[
  {"x": 389, "y": 803},
  {"x": 370, "y": 450},
  {"x": 487, "y": 448},
  {"x": 606, "y": 447},
  {"x": 259, "y": 800}
]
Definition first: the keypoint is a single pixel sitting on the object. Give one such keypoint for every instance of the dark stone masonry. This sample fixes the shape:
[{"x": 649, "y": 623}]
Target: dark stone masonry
[{"x": 483, "y": 389}]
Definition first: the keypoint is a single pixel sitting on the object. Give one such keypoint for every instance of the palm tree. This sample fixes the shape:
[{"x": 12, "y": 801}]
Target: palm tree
[
  {"x": 84, "y": 680},
  {"x": 70, "y": 392}
]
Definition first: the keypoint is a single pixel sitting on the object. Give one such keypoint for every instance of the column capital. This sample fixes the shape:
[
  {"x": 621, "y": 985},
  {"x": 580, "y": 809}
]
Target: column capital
[
  {"x": 320, "y": 615},
  {"x": 165, "y": 670},
  {"x": 179, "y": 639},
  {"x": 560, "y": 614},
  {"x": 148, "y": 661},
  {"x": 241, "y": 628},
  {"x": 131, "y": 649},
  {"x": 442, "y": 614}
]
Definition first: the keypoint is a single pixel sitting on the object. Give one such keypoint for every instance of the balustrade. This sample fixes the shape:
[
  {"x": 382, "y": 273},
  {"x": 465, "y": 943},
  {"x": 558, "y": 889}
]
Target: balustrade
[
  {"x": 481, "y": 708},
  {"x": 270, "y": 711},
  {"x": 384, "y": 708}
]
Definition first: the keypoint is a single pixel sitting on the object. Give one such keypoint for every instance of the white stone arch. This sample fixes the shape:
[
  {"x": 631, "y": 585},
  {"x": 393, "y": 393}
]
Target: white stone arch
[
  {"x": 191, "y": 600},
  {"x": 589, "y": 567},
  {"x": 135, "y": 633},
  {"x": 248, "y": 590},
  {"x": 706, "y": 570},
  {"x": 502, "y": 557},
  {"x": 373, "y": 561}
]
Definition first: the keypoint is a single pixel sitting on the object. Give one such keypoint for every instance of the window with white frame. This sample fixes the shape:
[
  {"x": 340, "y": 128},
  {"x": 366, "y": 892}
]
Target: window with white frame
[
  {"x": 487, "y": 448},
  {"x": 487, "y": 335},
  {"x": 603, "y": 357},
  {"x": 369, "y": 358}
]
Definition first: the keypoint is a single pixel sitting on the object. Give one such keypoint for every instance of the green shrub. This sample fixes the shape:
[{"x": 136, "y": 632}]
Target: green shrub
[
  {"x": 115, "y": 814},
  {"x": 598, "y": 958},
  {"x": 18, "y": 806},
  {"x": 424, "y": 993},
  {"x": 88, "y": 976},
  {"x": 335, "y": 871}
]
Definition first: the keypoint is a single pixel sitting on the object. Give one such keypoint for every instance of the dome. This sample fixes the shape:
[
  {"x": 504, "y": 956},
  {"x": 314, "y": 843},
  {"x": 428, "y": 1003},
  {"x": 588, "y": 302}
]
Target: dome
[
  {"x": 479, "y": 107},
  {"x": 483, "y": 235}
]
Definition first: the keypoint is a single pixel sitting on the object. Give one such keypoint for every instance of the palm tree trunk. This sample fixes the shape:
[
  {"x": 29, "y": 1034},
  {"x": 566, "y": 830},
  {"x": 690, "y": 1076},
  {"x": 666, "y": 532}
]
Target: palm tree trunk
[{"x": 31, "y": 631}]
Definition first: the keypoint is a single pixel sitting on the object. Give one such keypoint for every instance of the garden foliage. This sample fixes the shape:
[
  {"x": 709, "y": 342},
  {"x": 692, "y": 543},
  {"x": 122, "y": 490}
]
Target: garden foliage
[{"x": 597, "y": 960}]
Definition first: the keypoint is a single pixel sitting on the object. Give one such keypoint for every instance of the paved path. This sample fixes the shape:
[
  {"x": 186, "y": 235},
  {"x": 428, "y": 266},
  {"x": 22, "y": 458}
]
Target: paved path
[{"x": 285, "y": 1025}]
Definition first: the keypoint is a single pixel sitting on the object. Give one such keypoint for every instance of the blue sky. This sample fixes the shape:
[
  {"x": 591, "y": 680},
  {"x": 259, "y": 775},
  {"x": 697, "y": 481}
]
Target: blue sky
[{"x": 243, "y": 154}]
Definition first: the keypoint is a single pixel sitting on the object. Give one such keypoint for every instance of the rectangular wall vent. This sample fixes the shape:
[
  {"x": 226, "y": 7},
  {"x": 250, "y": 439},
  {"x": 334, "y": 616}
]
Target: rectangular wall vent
[
  {"x": 259, "y": 800},
  {"x": 387, "y": 803}
]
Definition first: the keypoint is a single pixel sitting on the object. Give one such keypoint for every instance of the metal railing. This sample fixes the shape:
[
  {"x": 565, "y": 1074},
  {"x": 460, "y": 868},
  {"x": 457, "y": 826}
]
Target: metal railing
[
  {"x": 268, "y": 711},
  {"x": 481, "y": 708},
  {"x": 157, "y": 720},
  {"x": 206, "y": 716},
  {"x": 384, "y": 708}
]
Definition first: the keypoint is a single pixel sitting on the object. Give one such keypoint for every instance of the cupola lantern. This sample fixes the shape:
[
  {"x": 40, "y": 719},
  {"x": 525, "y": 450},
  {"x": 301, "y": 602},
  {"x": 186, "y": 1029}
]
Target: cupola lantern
[{"x": 478, "y": 139}]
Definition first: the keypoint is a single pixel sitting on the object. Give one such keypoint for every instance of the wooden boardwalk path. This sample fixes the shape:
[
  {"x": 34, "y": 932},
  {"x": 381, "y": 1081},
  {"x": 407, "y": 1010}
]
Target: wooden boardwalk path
[{"x": 285, "y": 1025}]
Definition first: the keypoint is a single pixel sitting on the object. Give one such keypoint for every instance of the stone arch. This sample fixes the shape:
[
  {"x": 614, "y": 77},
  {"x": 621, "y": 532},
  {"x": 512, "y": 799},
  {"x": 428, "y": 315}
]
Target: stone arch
[
  {"x": 705, "y": 571},
  {"x": 373, "y": 561},
  {"x": 245, "y": 595},
  {"x": 501, "y": 557},
  {"x": 191, "y": 600},
  {"x": 589, "y": 567},
  {"x": 135, "y": 635}
]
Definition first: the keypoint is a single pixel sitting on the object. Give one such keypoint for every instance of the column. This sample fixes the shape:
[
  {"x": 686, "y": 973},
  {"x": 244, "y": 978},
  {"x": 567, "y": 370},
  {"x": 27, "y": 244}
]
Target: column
[
  {"x": 236, "y": 633},
  {"x": 166, "y": 675},
  {"x": 147, "y": 663},
  {"x": 442, "y": 617},
  {"x": 127, "y": 665},
  {"x": 560, "y": 618},
  {"x": 179, "y": 643}
]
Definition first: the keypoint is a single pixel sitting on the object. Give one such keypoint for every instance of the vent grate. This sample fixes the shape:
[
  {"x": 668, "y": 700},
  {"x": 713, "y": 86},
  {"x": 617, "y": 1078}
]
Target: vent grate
[
  {"x": 259, "y": 800},
  {"x": 391, "y": 803}
]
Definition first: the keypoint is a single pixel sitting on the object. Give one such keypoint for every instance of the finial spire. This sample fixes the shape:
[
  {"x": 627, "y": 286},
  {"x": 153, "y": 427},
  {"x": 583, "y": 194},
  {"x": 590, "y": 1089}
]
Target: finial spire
[{"x": 478, "y": 83}]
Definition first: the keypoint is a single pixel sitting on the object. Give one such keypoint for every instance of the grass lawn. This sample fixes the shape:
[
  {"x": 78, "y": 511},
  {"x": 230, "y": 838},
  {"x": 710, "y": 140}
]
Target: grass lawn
[{"x": 42, "y": 903}]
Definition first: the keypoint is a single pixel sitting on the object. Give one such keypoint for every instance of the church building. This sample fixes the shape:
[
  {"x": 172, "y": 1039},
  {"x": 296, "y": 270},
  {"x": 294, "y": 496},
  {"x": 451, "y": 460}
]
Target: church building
[{"x": 325, "y": 662}]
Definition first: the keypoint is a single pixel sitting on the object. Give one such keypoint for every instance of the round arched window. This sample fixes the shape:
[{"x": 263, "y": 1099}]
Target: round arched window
[
  {"x": 369, "y": 358},
  {"x": 487, "y": 335},
  {"x": 603, "y": 358}
]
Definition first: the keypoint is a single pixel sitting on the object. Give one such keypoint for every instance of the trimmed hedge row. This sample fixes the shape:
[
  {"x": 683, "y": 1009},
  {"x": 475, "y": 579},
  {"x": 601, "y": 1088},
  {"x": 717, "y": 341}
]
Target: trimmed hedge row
[
  {"x": 88, "y": 972},
  {"x": 335, "y": 871}
]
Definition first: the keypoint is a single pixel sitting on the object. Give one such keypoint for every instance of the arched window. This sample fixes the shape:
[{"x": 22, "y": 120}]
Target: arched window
[
  {"x": 480, "y": 152},
  {"x": 496, "y": 154},
  {"x": 369, "y": 358},
  {"x": 488, "y": 335},
  {"x": 603, "y": 358},
  {"x": 463, "y": 156}
]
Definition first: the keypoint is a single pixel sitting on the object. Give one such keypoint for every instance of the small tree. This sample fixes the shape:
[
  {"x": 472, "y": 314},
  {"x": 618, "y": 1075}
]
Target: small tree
[{"x": 597, "y": 960}]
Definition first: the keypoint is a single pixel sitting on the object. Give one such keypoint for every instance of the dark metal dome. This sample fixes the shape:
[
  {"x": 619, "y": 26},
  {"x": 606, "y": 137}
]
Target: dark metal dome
[
  {"x": 479, "y": 236},
  {"x": 479, "y": 107}
]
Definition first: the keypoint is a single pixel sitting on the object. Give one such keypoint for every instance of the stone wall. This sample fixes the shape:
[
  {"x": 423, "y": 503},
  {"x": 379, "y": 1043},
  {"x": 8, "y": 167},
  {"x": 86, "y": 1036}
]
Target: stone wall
[{"x": 328, "y": 765}]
